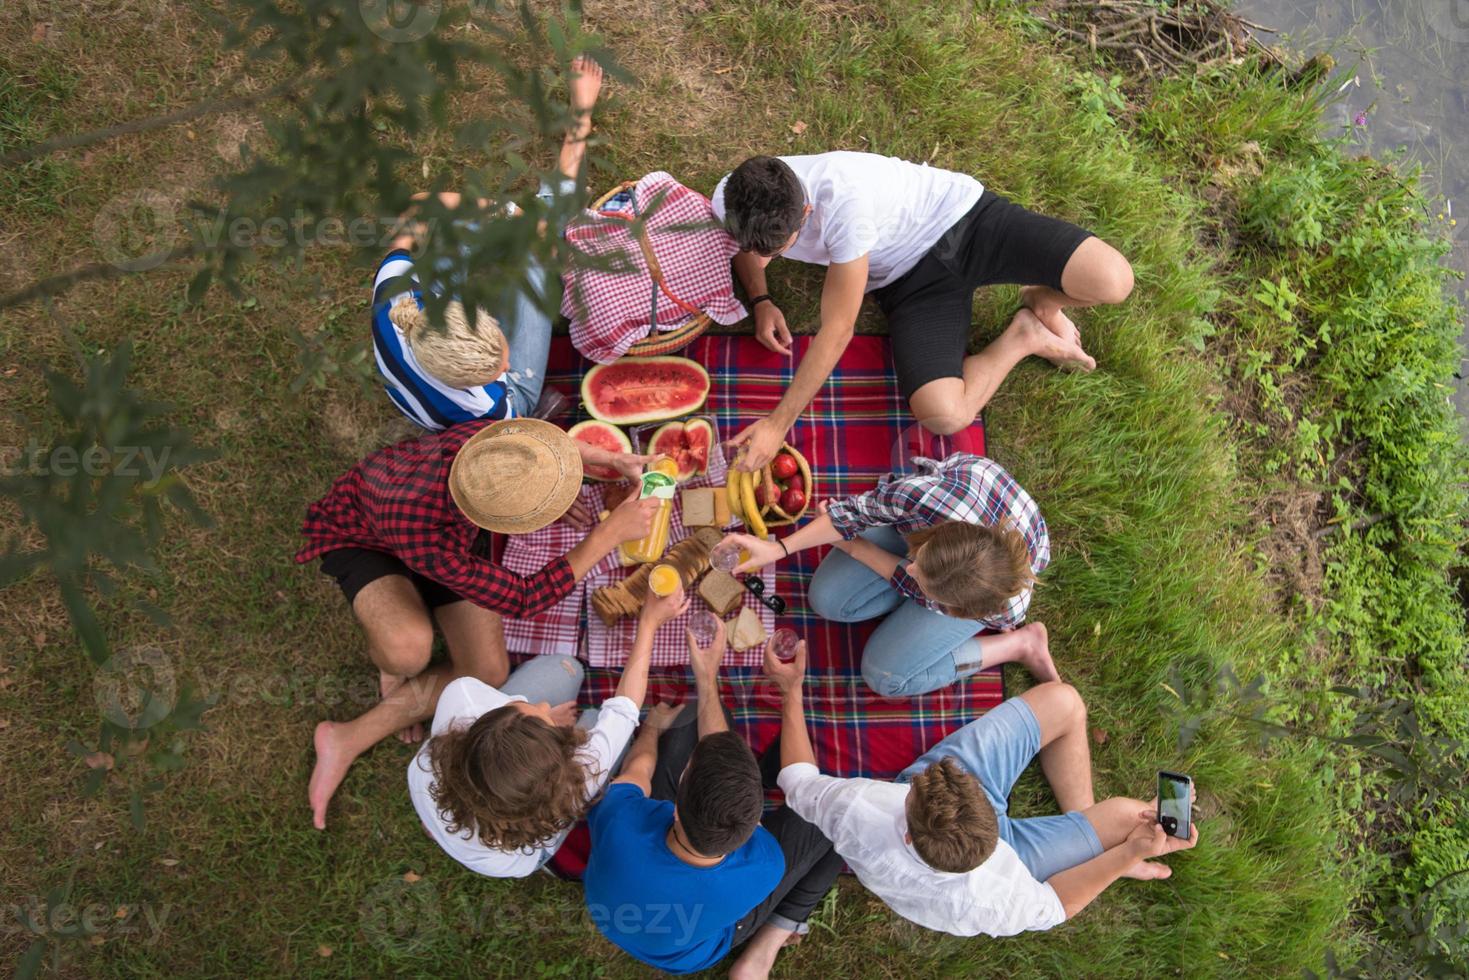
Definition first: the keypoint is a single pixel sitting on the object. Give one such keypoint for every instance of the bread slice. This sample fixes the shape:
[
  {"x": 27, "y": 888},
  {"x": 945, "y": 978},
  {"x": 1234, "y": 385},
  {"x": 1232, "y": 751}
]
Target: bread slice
[
  {"x": 722, "y": 516},
  {"x": 745, "y": 631},
  {"x": 721, "y": 591},
  {"x": 698, "y": 508}
]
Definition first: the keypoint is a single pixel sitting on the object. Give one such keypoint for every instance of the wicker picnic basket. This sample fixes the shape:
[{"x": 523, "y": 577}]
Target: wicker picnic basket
[{"x": 656, "y": 343}]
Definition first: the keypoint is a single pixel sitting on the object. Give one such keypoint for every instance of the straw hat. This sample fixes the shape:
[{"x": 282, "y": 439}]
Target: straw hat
[{"x": 516, "y": 475}]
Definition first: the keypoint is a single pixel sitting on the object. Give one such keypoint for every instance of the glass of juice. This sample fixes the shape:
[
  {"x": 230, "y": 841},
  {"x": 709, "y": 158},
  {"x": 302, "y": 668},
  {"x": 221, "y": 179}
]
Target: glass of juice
[{"x": 663, "y": 580}]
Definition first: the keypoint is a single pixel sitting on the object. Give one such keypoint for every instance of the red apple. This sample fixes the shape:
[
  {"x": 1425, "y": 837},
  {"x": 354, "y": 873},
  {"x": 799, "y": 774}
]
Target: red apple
[
  {"x": 796, "y": 483},
  {"x": 766, "y": 495},
  {"x": 784, "y": 466},
  {"x": 793, "y": 501}
]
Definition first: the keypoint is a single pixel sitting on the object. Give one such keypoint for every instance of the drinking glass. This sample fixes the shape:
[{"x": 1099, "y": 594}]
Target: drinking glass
[
  {"x": 725, "y": 557},
  {"x": 703, "y": 624},
  {"x": 783, "y": 644}
]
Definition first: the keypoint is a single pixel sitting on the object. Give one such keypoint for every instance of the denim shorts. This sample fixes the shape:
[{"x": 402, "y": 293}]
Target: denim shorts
[{"x": 996, "y": 748}]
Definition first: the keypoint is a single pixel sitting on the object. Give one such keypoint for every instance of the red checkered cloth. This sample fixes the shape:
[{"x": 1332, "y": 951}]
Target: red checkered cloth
[
  {"x": 561, "y": 628},
  {"x": 612, "y": 297},
  {"x": 857, "y": 428}
]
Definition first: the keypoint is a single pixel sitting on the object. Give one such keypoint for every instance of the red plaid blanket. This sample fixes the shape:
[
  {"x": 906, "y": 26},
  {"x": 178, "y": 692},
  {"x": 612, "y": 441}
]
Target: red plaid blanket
[
  {"x": 857, "y": 429},
  {"x": 611, "y": 309}
]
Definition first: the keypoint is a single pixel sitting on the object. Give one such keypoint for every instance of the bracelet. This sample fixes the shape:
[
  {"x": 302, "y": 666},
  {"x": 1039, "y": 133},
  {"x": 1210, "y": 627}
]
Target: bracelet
[
  {"x": 783, "y": 547},
  {"x": 762, "y": 298}
]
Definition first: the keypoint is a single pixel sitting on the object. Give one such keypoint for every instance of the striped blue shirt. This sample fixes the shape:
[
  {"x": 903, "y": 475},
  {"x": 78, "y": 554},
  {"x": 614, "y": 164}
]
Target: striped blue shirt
[{"x": 419, "y": 395}]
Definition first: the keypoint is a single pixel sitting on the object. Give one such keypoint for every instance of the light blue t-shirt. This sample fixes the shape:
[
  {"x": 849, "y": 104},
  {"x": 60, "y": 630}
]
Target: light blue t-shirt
[{"x": 669, "y": 914}]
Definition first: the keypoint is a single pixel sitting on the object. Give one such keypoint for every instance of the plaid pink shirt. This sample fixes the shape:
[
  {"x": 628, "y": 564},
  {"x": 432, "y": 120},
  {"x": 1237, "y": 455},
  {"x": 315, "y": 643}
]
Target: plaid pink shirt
[{"x": 963, "y": 487}]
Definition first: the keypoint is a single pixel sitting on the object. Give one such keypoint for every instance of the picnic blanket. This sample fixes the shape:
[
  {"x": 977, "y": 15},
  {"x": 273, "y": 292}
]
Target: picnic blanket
[
  {"x": 573, "y": 629},
  {"x": 857, "y": 428}
]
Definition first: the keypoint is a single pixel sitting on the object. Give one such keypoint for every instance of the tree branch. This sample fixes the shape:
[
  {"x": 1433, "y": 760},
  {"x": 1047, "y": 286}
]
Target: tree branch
[
  {"x": 209, "y": 107},
  {"x": 53, "y": 285}
]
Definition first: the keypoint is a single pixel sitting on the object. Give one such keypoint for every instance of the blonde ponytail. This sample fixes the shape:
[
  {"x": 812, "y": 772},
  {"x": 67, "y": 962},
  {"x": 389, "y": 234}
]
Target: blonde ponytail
[
  {"x": 407, "y": 315},
  {"x": 459, "y": 355}
]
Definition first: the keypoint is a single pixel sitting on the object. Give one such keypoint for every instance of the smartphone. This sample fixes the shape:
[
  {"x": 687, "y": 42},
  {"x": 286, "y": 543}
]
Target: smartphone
[{"x": 1175, "y": 803}]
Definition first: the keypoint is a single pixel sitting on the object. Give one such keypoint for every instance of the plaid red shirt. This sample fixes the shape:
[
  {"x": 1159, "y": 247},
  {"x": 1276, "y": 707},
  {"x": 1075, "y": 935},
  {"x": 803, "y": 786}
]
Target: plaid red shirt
[
  {"x": 963, "y": 487},
  {"x": 397, "y": 501}
]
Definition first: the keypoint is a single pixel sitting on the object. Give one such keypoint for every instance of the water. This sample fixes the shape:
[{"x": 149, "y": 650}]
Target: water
[{"x": 1411, "y": 62}]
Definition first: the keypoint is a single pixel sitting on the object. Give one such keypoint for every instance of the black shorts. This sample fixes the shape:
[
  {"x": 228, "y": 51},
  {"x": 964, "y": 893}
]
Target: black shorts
[
  {"x": 355, "y": 568},
  {"x": 929, "y": 309}
]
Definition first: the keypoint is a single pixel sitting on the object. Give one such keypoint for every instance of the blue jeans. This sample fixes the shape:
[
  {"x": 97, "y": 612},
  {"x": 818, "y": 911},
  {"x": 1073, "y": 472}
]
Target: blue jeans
[
  {"x": 996, "y": 749},
  {"x": 552, "y": 678},
  {"x": 916, "y": 649},
  {"x": 527, "y": 332},
  {"x": 526, "y": 327}
]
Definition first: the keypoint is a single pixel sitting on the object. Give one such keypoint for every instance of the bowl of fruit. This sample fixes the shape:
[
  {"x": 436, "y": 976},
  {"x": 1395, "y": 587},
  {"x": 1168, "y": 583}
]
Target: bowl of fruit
[{"x": 784, "y": 493}]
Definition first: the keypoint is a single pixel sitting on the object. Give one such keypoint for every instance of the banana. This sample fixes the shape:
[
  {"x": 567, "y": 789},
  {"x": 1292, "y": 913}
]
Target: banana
[
  {"x": 732, "y": 494},
  {"x": 752, "y": 510}
]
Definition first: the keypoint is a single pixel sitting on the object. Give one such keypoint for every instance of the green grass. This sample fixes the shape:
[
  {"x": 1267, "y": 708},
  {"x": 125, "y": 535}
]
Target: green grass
[{"x": 1146, "y": 479}]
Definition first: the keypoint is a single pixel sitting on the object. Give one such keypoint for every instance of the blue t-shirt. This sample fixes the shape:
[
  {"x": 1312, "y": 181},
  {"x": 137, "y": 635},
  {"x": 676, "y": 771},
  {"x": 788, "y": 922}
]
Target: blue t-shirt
[{"x": 669, "y": 914}]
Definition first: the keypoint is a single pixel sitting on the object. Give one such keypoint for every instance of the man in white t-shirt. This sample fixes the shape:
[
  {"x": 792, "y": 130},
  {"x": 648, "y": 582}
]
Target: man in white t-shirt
[
  {"x": 938, "y": 846},
  {"x": 921, "y": 240}
]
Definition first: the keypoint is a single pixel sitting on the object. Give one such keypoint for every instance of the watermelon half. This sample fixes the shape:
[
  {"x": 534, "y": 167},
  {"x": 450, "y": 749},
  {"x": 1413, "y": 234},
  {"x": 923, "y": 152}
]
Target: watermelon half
[
  {"x": 687, "y": 444},
  {"x": 597, "y": 433},
  {"x": 644, "y": 389}
]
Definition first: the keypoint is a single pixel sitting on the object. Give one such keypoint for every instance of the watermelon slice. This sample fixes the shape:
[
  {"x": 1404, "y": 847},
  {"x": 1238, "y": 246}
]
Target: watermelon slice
[
  {"x": 687, "y": 444},
  {"x": 609, "y": 437},
  {"x": 644, "y": 389}
]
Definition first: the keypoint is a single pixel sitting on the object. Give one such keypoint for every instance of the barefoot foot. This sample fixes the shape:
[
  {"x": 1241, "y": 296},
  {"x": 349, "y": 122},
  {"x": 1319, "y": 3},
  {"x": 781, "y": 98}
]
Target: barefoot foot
[
  {"x": 333, "y": 759},
  {"x": 387, "y": 684},
  {"x": 1148, "y": 871},
  {"x": 1036, "y": 655},
  {"x": 760, "y": 953},
  {"x": 1060, "y": 344}
]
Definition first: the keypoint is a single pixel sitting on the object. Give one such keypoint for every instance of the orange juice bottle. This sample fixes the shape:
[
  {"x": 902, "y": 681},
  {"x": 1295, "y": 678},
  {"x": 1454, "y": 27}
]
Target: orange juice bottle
[{"x": 658, "y": 482}]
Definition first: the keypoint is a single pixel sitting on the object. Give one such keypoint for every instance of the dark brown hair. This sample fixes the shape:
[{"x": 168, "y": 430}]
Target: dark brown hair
[
  {"x": 972, "y": 570},
  {"x": 719, "y": 798},
  {"x": 952, "y": 824},
  {"x": 763, "y": 205},
  {"x": 510, "y": 779}
]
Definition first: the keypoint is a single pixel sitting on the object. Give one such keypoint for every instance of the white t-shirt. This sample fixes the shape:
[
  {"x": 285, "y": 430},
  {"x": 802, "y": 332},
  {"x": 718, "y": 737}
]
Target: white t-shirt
[
  {"x": 464, "y": 700},
  {"x": 888, "y": 209},
  {"x": 866, "y": 822}
]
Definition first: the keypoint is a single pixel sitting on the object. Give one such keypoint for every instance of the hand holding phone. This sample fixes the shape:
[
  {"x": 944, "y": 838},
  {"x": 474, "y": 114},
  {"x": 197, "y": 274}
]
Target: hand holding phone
[{"x": 1175, "y": 803}]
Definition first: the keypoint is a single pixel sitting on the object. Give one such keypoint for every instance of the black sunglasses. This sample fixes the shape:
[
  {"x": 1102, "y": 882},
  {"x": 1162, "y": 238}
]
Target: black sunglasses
[{"x": 773, "y": 602}]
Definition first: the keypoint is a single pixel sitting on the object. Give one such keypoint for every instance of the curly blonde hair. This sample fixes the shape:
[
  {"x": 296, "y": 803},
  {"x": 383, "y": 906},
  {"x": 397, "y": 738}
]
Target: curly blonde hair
[
  {"x": 972, "y": 570},
  {"x": 510, "y": 779},
  {"x": 460, "y": 355}
]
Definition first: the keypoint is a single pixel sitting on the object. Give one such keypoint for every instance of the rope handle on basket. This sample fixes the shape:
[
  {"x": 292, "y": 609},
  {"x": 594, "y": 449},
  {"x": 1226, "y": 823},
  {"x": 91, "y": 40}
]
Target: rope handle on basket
[{"x": 651, "y": 257}]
